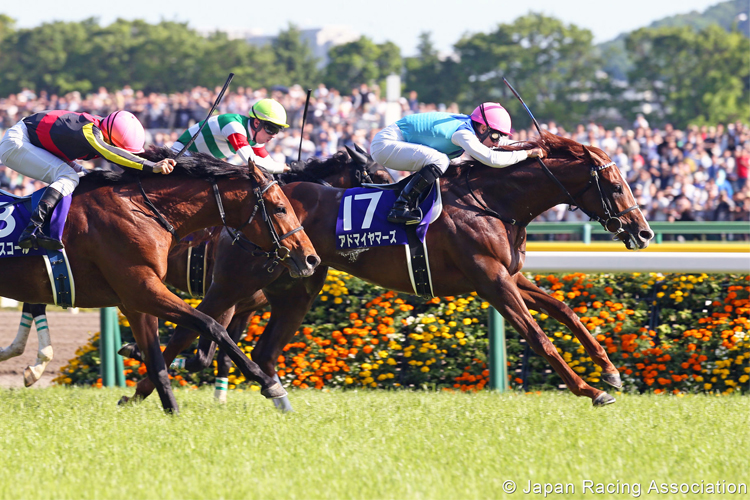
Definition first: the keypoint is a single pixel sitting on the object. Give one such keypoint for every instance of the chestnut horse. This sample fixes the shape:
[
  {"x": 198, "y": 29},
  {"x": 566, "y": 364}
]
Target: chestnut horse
[
  {"x": 339, "y": 170},
  {"x": 477, "y": 244},
  {"x": 118, "y": 245}
]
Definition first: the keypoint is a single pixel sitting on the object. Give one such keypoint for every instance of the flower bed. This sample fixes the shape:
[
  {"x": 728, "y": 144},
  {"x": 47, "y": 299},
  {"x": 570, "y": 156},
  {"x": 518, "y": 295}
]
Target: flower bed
[{"x": 665, "y": 333}]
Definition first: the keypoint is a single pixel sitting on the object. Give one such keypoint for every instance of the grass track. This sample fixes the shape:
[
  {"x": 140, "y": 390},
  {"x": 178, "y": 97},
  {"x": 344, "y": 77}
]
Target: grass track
[{"x": 76, "y": 443}]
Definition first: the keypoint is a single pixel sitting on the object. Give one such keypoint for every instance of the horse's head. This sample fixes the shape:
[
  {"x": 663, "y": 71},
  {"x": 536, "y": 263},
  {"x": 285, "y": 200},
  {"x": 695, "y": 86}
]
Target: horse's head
[
  {"x": 339, "y": 170},
  {"x": 283, "y": 239},
  {"x": 366, "y": 169},
  {"x": 606, "y": 197}
]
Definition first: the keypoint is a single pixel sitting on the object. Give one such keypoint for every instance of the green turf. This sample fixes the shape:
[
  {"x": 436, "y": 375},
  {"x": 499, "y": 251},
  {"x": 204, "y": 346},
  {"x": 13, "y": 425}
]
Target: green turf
[{"x": 76, "y": 443}]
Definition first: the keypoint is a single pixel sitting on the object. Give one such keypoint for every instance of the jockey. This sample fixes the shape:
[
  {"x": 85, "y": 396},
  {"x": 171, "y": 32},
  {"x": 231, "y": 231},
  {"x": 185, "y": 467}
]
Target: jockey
[
  {"x": 43, "y": 146},
  {"x": 247, "y": 136},
  {"x": 427, "y": 142}
]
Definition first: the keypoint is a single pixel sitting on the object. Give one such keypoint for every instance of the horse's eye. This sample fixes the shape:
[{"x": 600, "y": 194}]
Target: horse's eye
[
  {"x": 280, "y": 210},
  {"x": 617, "y": 188}
]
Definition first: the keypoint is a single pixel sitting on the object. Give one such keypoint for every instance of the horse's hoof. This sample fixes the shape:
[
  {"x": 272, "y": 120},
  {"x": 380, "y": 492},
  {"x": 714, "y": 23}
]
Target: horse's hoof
[
  {"x": 613, "y": 379},
  {"x": 274, "y": 391},
  {"x": 29, "y": 378},
  {"x": 129, "y": 351},
  {"x": 123, "y": 401},
  {"x": 603, "y": 399}
]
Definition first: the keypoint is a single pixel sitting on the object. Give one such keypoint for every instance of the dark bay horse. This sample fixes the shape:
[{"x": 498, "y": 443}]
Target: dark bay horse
[
  {"x": 118, "y": 248},
  {"x": 477, "y": 244},
  {"x": 340, "y": 170}
]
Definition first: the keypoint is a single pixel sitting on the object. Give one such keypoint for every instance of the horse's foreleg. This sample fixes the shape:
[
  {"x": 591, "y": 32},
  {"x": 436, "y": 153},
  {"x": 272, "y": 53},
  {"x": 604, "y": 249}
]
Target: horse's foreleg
[
  {"x": 44, "y": 354},
  {"x": 290, "y": 300},
  {"x": 236, "y": 328},
  {"x": 535, "y": 298},
  {"x": 505, "y": 296},
  {"x": 171, "y": 308}
]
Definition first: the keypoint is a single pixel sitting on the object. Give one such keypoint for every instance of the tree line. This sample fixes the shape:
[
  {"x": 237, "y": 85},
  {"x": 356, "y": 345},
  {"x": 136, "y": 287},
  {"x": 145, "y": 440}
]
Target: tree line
[{"x": 681, "y": 74}]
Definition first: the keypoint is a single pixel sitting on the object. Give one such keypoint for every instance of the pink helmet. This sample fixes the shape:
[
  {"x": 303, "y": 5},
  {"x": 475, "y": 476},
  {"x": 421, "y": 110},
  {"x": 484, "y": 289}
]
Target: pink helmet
[
  {"x": 122, "y": 129},
  {"x": 497, "y": 117}
]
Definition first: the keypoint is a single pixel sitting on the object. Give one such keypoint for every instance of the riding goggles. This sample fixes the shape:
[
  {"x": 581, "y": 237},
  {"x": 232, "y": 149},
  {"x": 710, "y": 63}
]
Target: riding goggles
[{"x": 271, "y": 128}]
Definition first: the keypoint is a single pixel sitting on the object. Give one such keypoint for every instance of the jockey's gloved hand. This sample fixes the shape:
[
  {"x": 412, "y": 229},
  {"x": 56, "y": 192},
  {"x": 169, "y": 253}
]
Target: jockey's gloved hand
[{"x": 297, "y": 165}]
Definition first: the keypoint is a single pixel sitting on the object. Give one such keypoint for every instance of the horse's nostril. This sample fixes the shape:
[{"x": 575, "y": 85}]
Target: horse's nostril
[
  {"x": 313, "y": 261},
  {"x": 646, "y": 234}
]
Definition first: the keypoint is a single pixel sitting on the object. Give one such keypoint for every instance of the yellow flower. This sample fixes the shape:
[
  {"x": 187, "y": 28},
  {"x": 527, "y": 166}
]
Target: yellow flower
[
  {"x": 348, "y": 380},
  {"x": 467, "y": 321},
  {"x": 337, "y": 300},
  {"x": 460, "y": 335},
  {"x": 707, "y": 386},
  {"x": 425, "y": 369}
]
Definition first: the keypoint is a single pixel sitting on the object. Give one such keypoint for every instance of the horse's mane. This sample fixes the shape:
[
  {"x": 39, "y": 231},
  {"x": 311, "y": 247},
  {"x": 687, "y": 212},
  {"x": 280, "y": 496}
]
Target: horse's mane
[
  {"x": 316, "y": 169},
  {"x": 197, "y": 165},
  {"x": 554, "y": 146}
]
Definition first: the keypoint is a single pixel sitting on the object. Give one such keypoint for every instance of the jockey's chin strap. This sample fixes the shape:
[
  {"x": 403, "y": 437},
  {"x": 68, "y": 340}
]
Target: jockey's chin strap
[{"x": 279, "y": 251}]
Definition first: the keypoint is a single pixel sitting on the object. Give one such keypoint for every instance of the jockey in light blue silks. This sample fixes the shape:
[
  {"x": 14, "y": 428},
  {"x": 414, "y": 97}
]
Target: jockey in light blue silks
[{"x": 427, "y": 142}]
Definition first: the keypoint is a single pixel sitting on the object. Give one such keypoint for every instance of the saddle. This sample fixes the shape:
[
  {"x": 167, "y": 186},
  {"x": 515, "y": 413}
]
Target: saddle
[
  {"x": 362, "y": 223},
  {"x": 15, "y": 212}
]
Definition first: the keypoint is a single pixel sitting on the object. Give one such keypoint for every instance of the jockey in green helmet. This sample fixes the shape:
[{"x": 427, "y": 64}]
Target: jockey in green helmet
[{"x": 227, "y": 134}]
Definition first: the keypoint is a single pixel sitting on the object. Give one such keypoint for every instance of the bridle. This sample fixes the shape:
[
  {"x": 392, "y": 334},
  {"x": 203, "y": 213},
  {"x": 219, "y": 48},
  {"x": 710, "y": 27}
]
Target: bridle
[
  {"x": 279, "y": 251},
  {"x": 358, "y": 174},
  {"x": 611, "y": 222}
]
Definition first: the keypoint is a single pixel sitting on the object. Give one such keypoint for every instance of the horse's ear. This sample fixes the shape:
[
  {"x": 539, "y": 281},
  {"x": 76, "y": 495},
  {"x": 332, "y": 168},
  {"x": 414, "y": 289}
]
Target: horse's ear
[{"x": 359, "y": 156}]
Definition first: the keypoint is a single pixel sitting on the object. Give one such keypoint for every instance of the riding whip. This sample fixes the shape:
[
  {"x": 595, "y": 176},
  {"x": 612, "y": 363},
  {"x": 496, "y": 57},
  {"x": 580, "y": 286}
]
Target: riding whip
[
  {"x": 536, "y": 124},
  {"x": 216, "y": 103},
  {"x": 302, "y": 132}
]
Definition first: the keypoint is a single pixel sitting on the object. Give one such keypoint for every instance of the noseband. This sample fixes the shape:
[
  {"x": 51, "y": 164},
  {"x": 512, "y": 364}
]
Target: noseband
[{"x": 279, "y": 251}]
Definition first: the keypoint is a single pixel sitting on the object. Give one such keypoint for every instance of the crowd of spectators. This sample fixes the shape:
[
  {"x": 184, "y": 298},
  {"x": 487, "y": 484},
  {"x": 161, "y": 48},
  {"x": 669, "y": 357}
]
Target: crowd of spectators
[{"x": 695, "y": 174}]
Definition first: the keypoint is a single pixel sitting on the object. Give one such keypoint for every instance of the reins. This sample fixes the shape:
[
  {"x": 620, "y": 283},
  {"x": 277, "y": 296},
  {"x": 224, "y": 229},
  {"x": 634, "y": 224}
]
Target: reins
[
  {"x": 279, "y": 251},
  {"x": 612, "y": 223}
]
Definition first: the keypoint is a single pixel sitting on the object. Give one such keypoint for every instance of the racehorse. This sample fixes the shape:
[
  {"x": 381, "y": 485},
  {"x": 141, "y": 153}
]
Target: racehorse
[
  {"x": 339, "y": 170},
  {"x": 121, "y": 227},
  {"x": 477, "y": 244}
]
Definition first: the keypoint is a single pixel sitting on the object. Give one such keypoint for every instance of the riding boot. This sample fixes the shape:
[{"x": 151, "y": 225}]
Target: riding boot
[
  {"x": 33, "y": 236},
  {"x": 405, "y": 209}
]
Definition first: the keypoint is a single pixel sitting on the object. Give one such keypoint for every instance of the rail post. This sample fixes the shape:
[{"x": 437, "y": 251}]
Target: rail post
[
  {"x": 498, "y": 363},
  {"x": 586, "y": 233},
  {"x": 111, "y": 365}
]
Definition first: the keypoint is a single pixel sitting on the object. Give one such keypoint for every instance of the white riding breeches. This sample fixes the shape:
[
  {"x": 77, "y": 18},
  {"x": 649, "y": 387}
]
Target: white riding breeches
[
  {"x": 18, "y": 153},
  {"x": 391, "y": 150}
]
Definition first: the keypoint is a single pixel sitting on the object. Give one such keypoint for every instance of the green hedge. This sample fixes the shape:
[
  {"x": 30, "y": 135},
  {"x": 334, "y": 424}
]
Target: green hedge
[{"x": 360, "y": 335}]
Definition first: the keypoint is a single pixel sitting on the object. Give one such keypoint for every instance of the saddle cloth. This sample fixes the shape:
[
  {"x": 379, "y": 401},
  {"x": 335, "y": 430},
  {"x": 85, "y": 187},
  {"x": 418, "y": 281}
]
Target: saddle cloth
[
  {"x": 15, "y": 213},
  {"x": 362, "y": 220}
]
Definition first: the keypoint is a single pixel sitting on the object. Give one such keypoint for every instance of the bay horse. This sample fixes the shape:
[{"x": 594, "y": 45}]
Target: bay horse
[
  {"x": 340, "y": 170},
  {"x": 477, "y": 244},
  {"x": 118, "y": 241}
]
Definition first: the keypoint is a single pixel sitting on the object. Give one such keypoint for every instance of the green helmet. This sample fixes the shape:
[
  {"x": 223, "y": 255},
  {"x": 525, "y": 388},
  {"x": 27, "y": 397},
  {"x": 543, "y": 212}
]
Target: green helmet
[{"x": 269, "y": 110}]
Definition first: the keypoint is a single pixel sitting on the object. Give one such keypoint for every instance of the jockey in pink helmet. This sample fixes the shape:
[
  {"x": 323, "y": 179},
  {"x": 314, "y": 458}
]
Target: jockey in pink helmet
[
  {"x": 427, "y": 142},
  {"x": 43, "y": 146}
]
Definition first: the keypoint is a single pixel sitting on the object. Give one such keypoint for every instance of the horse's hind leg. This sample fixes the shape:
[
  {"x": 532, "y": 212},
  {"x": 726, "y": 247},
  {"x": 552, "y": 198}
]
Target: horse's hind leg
[
  {"x": 31, "y": 374},
  {"x": 145, "y": 329},
  {"x": 535, "y": 298},
  {"x": 18, "y": 345},
  {"x": 505, "y": 296}
]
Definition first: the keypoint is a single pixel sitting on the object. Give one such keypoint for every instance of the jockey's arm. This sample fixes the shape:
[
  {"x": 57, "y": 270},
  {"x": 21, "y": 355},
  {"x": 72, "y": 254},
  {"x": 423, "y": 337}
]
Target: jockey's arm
[
  {"x": 114, "y": 154},
  {"x": 469, "y": 142},
  {"x": 257, "y": 154},
  {"x": 260, "y": 157}
]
